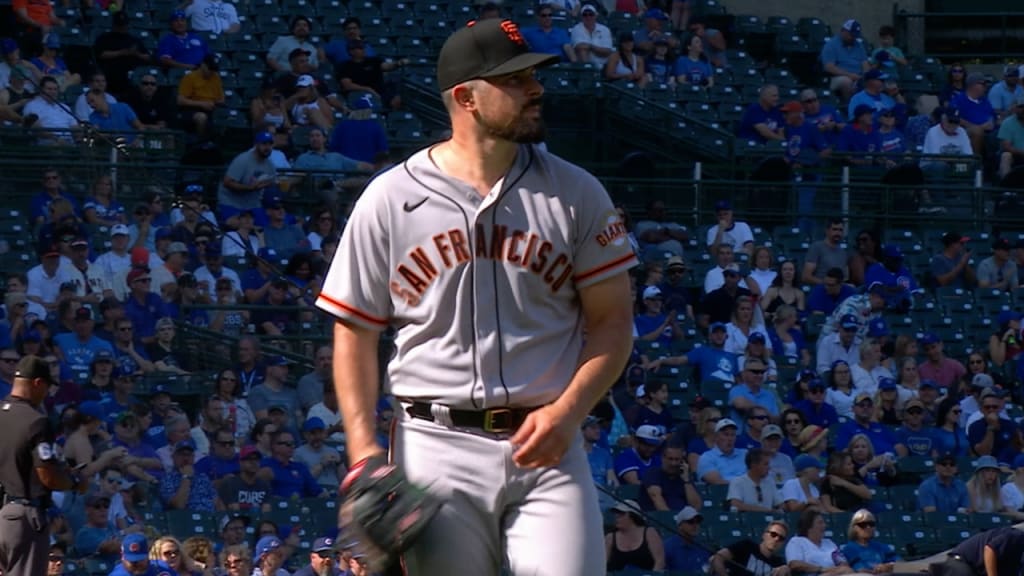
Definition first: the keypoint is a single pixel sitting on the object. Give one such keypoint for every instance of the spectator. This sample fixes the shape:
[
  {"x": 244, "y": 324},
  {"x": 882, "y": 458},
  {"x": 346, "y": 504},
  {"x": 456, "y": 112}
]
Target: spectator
[
  {"x": 801, "y": 493},
  {"x": 118, "y": 52},
  {"x": 78, "y": 349},
  {"x": 546, "y": 38},
  {"x": 669, "y": 487},
  {"x": 724, "y": 461},
  {"x": 887, "y": 56},
  {"x": 843, "y": 344},
  {"x": 1003, "y": 345},
  {"x": 181, "y": 488},
  {"x": 746, "y": 557},
  {"x": 1011, "y": 136},
  {"x": 997, "y": 271},
  {"x": 815, "y": 409},
  {"x": 755, "y": 491},
  {"x": 723, "y": 289},
  {"x": 652, "y": 32},
  {"x": 714, "y": 362},
  {"x": 983, "y": 488},
  {"x": 99, "y": 536},
  {"x": 780, "y": 464},
  {"x": 864, "y": 553},
  {"x": 269, "y": 556},
  {"x": 763, "y": 121},
  {"x": 946, "y": 371},
  {"x": 336, "y": 50},
  {"x": 602, "y": 467},
  {"x": 1004, "y": 95},
  {"x": 693, "y": 68},
  {"x": 913, "y": 438},
  {"x": 994, "y": 434},
  {"x": 660, "y": 237},
  {"x": 750, "y": 392},
  {"x": 633, "y": 544},
  {"x": 288, "y": 478},
  {"x": 283, "y": 46},
  {"x": 199, "y": 93},
  {"x": 246, "y": 491},
  {"x": 866, "y": 308},
  {"x": 633, "y": 463},
  {"x": 713, "y": 41},
  {"x": 859, "y": 139},
  {"x": 141, "y": 461},
  {"x": 591, "y": 40},
  {"x": 273, "y": 392},
  {"x": 49, "y": 63},
  {"x": 324, "y": 462},
  {"x": 166, "y": 358},
  {"x": 729, "y": 231},
  {"x": 660, "y": 64},
  {"x": 653, "y": 324},
  {"x": 248, "y": 175},
  {"x": 826, "y": 254},
  {"x": 826, "y": 296},
  {"x": 863, "y": 410},
  {"x": 872, "y": 95},
  {"x": 38, "y": 19},
  {"x": 703, "y": 439},
  {"x": 118, "y": 119},
  {"x": 1012, "y": 493},
  {"x": 951, "y": 267},
  {"x": 947, "y": 139},
  {"x": 944, "y": 492},
  {"x": 363, "y": 73},
  {"x": 318, "y": 157},
  {"x": 842, "y": 488},
  {"x": 976, "y": 113},
  {"x": 683, "y": 552},
  {"x": 221, "y": 461},
  {"x": 45, "y": 279},
  {"x": 359, "y": 135},
  {"x": 810, "y": 552},
  {"x": 54, "y": 121},
  {"x": 845, "y": 60},
  {"x": 181, "y": 48},
  {"x": 625, "y": 64}
]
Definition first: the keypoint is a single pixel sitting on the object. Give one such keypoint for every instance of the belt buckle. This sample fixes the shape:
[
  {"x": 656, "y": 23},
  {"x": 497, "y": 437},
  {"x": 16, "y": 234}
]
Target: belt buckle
[{"x": 498, "y": 420}]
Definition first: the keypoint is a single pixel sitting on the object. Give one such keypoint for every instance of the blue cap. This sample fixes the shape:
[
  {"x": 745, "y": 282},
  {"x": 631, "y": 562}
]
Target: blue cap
[
  {"x": 1007, "y": 316},
  {"x": 263, "y": 138},
  {"x": 805, "y": 461},
  {"x": 134, "y": 548},
  {"x": 265, "y": 545},
  {"x": 816, "y": 383},
  {"x": 267, "y": 253},
  {"x": 929, "y": 338},
  {"x": 277, "y": 361},
  {"x": 849, "y": 322},
  {"x": 8, "y": 45},
  {"x": 757, "y": 338},
  {"x": 721, "y": 204},
  {"x": 272, "y": 201},
  {"x": 928, "y": 383},
  {"x": 875, "y": 74},
  {"x": 862, "y": 109},
  {"x": 92, "y": 409},
  {"x": 853, "y": 27},
  {"x": 892, "y": 251},
  {"x": 185, "y": 445},
  {"x": 323, "y": 545},
  {"x": 365, "y": 102},
  {"x": 807, "y": 374},
  {"x": 120, "y": 372},
  {"x": 314, "y": 423},
  {"x": 886, "y": 384},
  {"x": 656, "y": 14},
  {"x": 103, "y": 355},
  {"x": 52, "y": 41},
  {"x": 716, "y": 326},
  {"x": 32, "y": 336},
  {"x": 878, "y": 328},
  {"x": 882, "y": 56},
  {"x": 986, "y": 462},
  {"x": 178, "y": 14}
]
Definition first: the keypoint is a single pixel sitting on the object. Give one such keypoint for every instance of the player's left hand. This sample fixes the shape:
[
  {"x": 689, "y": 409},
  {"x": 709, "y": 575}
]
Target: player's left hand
[{"x": 543, "y": 438}]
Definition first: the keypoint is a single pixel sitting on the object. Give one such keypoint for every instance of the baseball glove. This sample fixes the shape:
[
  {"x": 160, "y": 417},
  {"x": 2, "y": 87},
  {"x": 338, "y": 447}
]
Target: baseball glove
[{"x": 383, "y": 510}]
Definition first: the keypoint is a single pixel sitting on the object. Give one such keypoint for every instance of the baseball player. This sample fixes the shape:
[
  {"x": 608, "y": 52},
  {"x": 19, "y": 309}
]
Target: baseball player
[{"x": 492, "y": 259}]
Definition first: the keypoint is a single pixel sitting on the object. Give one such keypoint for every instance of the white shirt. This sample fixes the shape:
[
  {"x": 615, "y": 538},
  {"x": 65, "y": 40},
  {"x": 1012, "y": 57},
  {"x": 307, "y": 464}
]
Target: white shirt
[
  {"x": 736, "y": 340},
  {"x": 713, "y": 280},
  {"x": 114, "y": 267},
  {"x": 830, "y": 350},
  {"x": 841, "y": 401},
  {"x": 93, "y": 275},
  {"x": 792, "y": 490},
  {"x": 211, "y": 15},
  {"x": 51, "y": 116},
  {"x": 330, "y": 418},
  {"x": 161, "y": 275},
  {"x": 203, "y": 274},
  {"x": 233, "y": 245},
  {"x": 279, "y": 160},
  {"x": 865, "y": 381},
  {"x": 82, "y": 108},
  {"x": 936, "y": 141},
  {"x": 202, "y": 442},
  {"x": 45, "y": 287},
  {"x": 1011, "y": 496},
  {"x": 177, "y": 216},
  {"x": 802, "y": 549},
  {"x": 600, "y": 37},
  {"x": 736, "y": 237},
  {"x": 764, "y": 278}
]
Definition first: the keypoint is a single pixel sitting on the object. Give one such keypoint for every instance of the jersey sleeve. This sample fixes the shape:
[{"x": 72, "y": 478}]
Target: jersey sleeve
[
  {"x": 602, "y": 244},
  {"x": 357, "y": 287},
  {"x": 44, "y": 449}
]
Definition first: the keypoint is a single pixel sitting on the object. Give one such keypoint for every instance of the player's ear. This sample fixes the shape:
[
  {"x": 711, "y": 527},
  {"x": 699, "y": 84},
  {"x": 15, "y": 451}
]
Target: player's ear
[{"x": 463, "y": 96}]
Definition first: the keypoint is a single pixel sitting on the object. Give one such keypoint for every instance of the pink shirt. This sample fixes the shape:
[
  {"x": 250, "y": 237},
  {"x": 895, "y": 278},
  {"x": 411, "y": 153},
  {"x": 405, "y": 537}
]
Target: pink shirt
[{"x": 946, "y": 373}]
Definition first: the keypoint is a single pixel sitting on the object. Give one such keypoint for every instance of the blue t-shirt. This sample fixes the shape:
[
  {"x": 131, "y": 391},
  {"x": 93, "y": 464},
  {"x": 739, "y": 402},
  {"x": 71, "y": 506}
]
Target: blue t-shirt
[
  {"x": 974, "y": 111},
  {"x": 848, "y": 58},
  {"x": 863, "y": 558},
  {"x": 826, "y": 114},
  {"x": 291, "y": 480},
  {"x": 89, "y": 538},
  {"x": 630, "y": 461},
  {"x": 660, "y": 70},
  {"x": 1002, "y": 446},
  {"x": 550, "y": 42},
  {"x": 78, "y": 356},
  {"x": 853, "y": 139},
  {"x": 600, "y": 460},
  {"x": 646, "y": 324},
  {"x": 825, "y": 417},
  {"x": 663, "y": 419},
  {"x": 879, "y": 102},
  {"x": 918, "y": 442},
  {"x": 902, "y": 278},
  {"x": 714, "y": 363},
  {"x": 684, "y": 556},
  {"x": 41, "y": 204},
  {"x": 696, "y": 72},
  {"x": 119, "y": 119},
  {"x": 892, "y": 143},
  {"x": 755, "y": 115},
  {"x": 144, "y": 316},
  {"x": 820, "y": 301},
  {"x": 881, "y": 438},
  {"x": 360, "y": 140},
  {"x": 336, "y": 51},
  {"x": 945, "y": 499},
  {"x": 216, "y": 468},
  {"x": 156, "y": 568},
  {"x": 253, "y": 280},
  {"x": 190, "y": 49},
  {"x": 955, "y": 442},
  {"x": 804, "y": 143},
  {"x": 112, "y": 212}
]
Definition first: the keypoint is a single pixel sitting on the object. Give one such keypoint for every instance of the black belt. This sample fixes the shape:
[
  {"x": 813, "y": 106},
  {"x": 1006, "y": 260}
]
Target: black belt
[{"x": 494, "y": 420}]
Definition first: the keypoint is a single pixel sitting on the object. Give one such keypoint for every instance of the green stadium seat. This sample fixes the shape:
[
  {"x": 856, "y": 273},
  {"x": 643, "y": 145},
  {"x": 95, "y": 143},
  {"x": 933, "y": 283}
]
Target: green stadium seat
[{"x": 187, "y": 523}]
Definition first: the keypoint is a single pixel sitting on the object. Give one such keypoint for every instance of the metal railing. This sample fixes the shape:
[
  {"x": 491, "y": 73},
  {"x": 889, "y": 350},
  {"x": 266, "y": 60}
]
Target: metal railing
[{"x": 987, "y": 35}]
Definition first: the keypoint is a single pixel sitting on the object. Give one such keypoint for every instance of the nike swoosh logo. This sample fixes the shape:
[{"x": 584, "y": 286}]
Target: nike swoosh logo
[{"x": 410, "y": 207}]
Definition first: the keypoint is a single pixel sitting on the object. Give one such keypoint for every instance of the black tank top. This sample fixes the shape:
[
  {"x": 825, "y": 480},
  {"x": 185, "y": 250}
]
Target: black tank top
[{"x": 639, "y": 557}]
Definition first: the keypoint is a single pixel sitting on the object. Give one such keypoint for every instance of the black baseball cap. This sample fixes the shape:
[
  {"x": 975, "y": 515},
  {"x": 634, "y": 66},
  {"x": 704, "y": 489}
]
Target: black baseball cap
[{"x": 485, "y": 49}]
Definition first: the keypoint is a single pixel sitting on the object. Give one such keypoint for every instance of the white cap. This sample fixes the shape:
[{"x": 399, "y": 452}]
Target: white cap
[
  {"x": 304, "y": 81},
  {"x": 640, "y": 391},
  {"x": 725, "y": 423},
  {"x": 649, "y": 433},
  {"x": 588, "y": 8},
  {"x": 118, "y": 229},
  {"x": 687, "y": 514},
  {"x": 652, "y": 292}
]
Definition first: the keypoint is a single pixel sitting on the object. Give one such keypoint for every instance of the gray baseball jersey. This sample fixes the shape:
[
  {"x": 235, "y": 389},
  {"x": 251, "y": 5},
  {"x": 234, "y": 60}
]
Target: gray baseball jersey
[{"x": 483, "y": 291}]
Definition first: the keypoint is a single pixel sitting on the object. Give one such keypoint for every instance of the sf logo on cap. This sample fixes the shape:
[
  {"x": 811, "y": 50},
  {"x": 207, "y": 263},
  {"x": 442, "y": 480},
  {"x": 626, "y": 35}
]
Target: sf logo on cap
[{"x": 512, "y": 31}]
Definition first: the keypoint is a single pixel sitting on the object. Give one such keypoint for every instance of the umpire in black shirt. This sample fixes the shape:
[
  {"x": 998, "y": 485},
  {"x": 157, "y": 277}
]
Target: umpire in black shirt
[
  {"x": 995, "y": 552},
  {"x": 31, "y": 465}
]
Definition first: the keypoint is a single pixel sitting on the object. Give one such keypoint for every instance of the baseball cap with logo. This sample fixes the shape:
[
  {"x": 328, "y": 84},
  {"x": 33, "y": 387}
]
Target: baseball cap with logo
[
  {"x": 982, "y": 380},
  {"x": 877, "y": 328},
  {"x": 652, "y": 292},
  {"x": 118, "y": 230},
  {"x": 323, "y": 545},
  {"x": 266, "y": 545},
  {"x": 771, "y": 430},
  {"x": 849, "y": 322},
  {"x": 486, "y": 49},
  {"x": 950, "y": 238},
  {"x": 675, "y": 262},
  {"x": 725, "y": 423},
  {"x": 853, "y": 27},
  {"x": 649, "y": 434},
  {"x": 687, "y": 514},
  {"x": 134, "y": 548},
  {"x": 304, "y": 81}
]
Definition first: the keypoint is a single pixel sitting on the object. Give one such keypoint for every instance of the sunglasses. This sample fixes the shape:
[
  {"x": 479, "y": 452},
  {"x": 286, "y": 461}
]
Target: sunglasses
[
  {"x": 776, "y": 535},
  {"x": 990, "y": 407},
  {"x": 915, "y": 411},
  {"x": 867, "y": 524},
  {"x": 286, "y": 443},
  {"x": 793, "y": 422},
  {"x": 759, "y": 417},
  {"x": 55, "y": 558},
  {"x": 758, "y": 372},
  {"x": 148, "y": 83}
]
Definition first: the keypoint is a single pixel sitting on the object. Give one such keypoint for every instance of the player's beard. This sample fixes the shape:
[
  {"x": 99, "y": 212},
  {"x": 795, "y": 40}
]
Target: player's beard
[{"x": 518, "y": 129}]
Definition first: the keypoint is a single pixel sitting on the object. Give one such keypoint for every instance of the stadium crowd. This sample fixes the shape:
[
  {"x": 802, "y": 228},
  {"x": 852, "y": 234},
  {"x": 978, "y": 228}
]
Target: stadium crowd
[{"x": 768, "y": 384}]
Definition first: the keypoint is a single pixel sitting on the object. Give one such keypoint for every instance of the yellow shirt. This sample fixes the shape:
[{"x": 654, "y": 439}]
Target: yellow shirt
[{"x": 194, "y": 87}]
